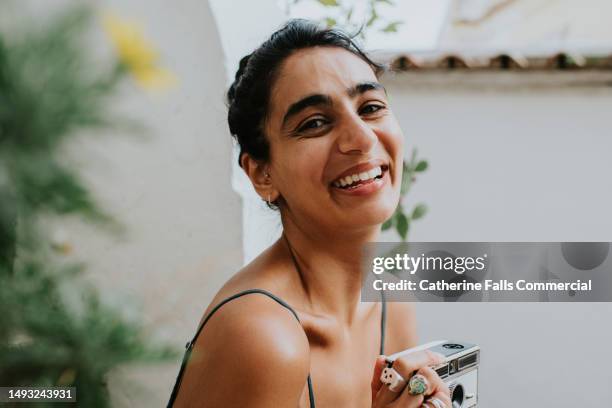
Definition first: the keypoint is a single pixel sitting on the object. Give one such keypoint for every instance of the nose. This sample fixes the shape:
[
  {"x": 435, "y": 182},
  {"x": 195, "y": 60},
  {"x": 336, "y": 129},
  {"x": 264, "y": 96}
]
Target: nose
[{"x": 356, "y": 135}]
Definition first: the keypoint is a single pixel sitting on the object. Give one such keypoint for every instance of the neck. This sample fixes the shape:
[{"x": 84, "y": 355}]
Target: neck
[{"x": 329, "y": 266}]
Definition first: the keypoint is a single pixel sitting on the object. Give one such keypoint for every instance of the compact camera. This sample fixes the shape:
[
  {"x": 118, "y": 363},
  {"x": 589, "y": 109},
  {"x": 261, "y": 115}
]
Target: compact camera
[{"x": 459, "y": 370}]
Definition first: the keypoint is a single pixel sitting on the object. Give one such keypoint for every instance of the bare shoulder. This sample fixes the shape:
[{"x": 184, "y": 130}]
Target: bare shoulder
[
  {"x": 267, "y": 271},
  {"x": 252, "y": 352},
  {"x": 401, "y": 326}
]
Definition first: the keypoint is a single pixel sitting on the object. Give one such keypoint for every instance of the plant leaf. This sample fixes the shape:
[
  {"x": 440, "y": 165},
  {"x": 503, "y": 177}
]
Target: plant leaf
[
  {"x": 329, "y": 3},
  {"x": 421, "y": 166},
  {"x": 372, "y": 18},
  {"x": 406, "y": 180},
  {"x": 330, "y": 22},
  {"x": 419, "y": 211},
  {"x": 349, "y": 14},
  {"x": 402, "y": 225},
  {"x": 391, "y": 27},
  {"x": 387, "y": 224}
]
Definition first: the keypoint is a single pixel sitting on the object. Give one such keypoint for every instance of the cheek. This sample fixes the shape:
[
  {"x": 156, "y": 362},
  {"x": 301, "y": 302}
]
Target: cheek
[
  {"x": 396, "y": 136},
  {"x": 304, "y": 165},
  {"x": 393, "y": 139}
]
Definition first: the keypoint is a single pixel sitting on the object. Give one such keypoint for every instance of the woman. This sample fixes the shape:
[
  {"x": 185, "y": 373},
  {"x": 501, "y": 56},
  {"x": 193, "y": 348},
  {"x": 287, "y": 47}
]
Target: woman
[{"x": 319, "y": 143}]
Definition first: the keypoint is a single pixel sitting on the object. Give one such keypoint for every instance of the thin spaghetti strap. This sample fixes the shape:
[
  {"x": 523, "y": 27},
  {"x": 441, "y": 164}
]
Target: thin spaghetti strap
[
  {"x": 383, "y": 322},
  {"x": 189, "y": 345}
]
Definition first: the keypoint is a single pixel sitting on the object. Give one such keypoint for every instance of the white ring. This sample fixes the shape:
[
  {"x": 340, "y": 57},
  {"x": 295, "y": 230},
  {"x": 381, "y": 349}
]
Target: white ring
[
  {"x": 399, "y": 384},
  {"x": 436, "y": 402}
]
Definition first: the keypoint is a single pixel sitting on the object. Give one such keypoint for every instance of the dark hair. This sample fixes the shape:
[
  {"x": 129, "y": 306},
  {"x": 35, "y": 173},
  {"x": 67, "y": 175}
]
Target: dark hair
[{"x": 248, "y": 97}]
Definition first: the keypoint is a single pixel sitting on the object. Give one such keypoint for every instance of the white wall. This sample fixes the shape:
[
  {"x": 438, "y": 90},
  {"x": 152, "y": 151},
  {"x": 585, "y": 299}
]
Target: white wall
[
  {"x": 523, "y": 165},
  {"x": 171, "y": 190},
  {"x": 527, "y": 164},
  {"x": 240, "y": 34}
]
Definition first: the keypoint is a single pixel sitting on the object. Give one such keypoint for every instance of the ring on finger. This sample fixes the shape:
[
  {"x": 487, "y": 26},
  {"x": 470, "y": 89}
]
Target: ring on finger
[
  {"x": 417, "y": 385},
  {"x": 436, "y": 402},
  {"x": 393, "y": 379}
]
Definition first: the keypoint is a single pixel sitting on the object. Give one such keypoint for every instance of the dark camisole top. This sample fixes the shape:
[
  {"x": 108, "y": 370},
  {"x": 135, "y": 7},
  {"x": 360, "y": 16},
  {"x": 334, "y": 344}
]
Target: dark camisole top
[{"x": 189, "y": 345}]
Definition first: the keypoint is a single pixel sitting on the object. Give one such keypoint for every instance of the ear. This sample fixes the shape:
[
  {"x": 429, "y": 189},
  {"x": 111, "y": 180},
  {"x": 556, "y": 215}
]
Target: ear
[{"x": 259, "y": 174}]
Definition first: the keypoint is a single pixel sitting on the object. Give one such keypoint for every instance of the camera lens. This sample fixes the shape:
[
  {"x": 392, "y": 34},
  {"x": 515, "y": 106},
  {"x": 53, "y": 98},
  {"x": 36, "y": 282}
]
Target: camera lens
[
  {"x": 457, "y": 395},
  {"x": 453, "y": 346}
]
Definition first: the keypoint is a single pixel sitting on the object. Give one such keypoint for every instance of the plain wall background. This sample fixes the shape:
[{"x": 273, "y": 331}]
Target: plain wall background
[
  {"x": 515, "y": 162},
  {"x": 172, "y": 192}
]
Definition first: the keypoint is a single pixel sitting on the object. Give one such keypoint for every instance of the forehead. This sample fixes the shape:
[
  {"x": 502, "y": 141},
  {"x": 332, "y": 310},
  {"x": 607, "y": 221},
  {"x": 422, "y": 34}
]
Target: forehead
[{"x": 317, "y": 70}]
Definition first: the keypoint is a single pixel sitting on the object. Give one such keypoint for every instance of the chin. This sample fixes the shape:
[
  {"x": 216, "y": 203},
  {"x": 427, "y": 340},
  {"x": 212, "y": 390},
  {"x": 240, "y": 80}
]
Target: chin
[
  {"x": 383, "y": 213},
  {"x": 370, "y": 215}
]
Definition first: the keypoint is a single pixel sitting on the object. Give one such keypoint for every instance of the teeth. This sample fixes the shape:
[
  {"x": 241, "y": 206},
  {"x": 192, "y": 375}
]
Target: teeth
[{"x": 366, "y": 175}]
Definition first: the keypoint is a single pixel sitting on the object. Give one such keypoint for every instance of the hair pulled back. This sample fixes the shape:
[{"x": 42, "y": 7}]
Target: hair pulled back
[{"x": 249, "y": 96}]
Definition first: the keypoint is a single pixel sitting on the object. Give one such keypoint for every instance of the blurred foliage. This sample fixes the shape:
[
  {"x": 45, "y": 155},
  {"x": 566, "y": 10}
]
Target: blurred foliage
[
  {"x": 347, "y": 15},
  {"x": 137, "y": 54},
  {"x": 54, "y": 328},
  {"x": 402, "y": 219},
  {"x": 342, "y": 15}
]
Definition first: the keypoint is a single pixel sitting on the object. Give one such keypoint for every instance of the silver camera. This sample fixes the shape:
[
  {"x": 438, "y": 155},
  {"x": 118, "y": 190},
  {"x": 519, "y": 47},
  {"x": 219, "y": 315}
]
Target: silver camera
[{"x": 459, "y": 370}]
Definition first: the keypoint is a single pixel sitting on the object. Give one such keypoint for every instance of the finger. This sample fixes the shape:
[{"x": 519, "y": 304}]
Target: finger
[
  {"x": 376, "y": 383},
  {"x": 443, "y": 397},
  {"x": 385, "y": 396},
  {"x": 407, "y": 400},
  {"x": 434, "y": 386},
  {"x": 434, "y": 382},
  {"x": 407, "y": 365},
  {"x": 389, "y": 393}
]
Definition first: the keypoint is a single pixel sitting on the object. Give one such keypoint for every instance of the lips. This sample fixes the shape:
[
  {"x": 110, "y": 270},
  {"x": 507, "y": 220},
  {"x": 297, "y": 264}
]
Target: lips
[
  {"x": 361, "y": 174},
  {"x": 356, "y": 179}
]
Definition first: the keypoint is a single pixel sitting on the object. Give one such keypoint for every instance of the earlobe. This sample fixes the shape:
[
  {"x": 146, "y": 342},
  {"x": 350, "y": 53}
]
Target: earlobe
[{"x": 260, "y": 176}]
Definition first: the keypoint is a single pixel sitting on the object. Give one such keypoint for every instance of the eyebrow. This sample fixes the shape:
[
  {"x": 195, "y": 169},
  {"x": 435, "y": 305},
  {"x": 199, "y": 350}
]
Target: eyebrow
[
  {"x": 325, "y": 100},
  {"x": 364, "y": 87}
]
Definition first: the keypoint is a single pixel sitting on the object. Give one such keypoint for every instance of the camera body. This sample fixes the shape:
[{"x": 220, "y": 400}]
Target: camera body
[{"x": 459, "y": 370}]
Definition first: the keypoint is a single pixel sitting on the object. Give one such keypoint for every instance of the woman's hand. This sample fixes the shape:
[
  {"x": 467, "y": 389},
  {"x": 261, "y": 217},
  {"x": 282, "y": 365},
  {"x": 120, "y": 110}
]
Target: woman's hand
[{"x": 383, "y": 397}]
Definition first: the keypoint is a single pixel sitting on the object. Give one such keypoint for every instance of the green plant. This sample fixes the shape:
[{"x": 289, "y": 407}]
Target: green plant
[
  {"x": 343, "y": 16},
  {"x": 402, "y": 219},
  {"x": 54, "y": 328}
]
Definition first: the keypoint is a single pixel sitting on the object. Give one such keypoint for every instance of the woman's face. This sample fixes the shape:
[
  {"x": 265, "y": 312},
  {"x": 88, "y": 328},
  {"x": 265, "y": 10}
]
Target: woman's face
[{"x": 336, "y": 149}]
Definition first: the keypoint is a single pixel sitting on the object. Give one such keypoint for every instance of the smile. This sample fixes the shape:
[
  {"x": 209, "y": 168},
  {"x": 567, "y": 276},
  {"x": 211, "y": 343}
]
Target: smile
[{"x": 364, "y": 180}]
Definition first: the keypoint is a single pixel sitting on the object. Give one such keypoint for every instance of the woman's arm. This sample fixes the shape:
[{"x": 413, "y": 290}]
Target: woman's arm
[{"x": 251, "y": 353}]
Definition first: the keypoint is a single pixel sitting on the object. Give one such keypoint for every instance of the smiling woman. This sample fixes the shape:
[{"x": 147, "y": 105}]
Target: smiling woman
[{"x": 318, "y": 140}]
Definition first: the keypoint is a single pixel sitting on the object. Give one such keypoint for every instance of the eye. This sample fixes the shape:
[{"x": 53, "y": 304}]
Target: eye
[
  {"x": 371, "y": 108},
  {"x": 312, "y": 124}
]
